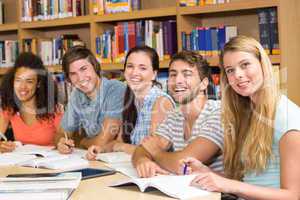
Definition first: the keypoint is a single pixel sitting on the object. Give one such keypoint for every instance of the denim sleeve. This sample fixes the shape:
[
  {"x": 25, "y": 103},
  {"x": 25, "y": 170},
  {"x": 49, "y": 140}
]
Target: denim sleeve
[
  {"x": 114, "y": 101},
  {"x": 70, "y": 119}
]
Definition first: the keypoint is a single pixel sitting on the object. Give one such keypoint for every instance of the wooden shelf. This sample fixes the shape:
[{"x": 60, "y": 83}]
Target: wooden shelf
[
  {"x": 4, "y": 70},
  {"x": 120, "y": 66},
  {"x": 139, "y": 14},
  {"x": 54, "y": 69},
  {"x": 232, "y": 6},
  {"x": 8, "y": 27},
  {"x": 70, "y": 21},
  {"x": 214, "y": 60}
]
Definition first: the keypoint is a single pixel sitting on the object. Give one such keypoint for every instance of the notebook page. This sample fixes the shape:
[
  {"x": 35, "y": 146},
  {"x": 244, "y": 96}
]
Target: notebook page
[
  {"x": 177, "y": 186},
  {"x": 114, "y": 157},
  {"x": 7, "y": 159}
]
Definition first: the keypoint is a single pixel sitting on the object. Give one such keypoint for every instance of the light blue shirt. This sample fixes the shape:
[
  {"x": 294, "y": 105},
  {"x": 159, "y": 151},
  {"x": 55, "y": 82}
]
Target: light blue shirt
[
  {"x": 83, "y": 112},
  {"x": 286, "y": 119},
  {"x": 144, "y": 114}
]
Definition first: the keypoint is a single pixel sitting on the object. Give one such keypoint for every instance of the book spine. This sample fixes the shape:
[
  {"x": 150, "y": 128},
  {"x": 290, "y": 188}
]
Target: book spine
[
  {"x": 264, "y": 29},
  {"x": 1, "y": 12},
  {"x": 274, "y": 40}
]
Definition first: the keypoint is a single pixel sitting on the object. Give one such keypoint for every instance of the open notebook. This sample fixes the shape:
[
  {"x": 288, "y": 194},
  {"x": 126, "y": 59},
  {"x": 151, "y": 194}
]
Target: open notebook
[
  {"x": 172, "y": 185},
  {"x": 44, "y": 157},
  {"x": 7, "y": 159},
  {"x": 114, "y": 157},
  {"x": 61, "y": 162},
  {"x": 32, "y": 149}
]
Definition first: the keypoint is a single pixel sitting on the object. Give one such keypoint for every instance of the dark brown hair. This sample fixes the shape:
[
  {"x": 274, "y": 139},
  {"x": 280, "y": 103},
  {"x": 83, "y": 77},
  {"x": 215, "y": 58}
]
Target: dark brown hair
[
  {"x": 46, "y": 91},
  {"x": 130, "y": 112},
  {"x": 196, "y": 60},
  {"x": 76, "y": 53}
]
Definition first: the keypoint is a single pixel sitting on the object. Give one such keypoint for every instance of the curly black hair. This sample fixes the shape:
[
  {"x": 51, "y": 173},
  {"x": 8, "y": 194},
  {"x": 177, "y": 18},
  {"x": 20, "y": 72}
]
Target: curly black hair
[{"x": 46, "y": 93}]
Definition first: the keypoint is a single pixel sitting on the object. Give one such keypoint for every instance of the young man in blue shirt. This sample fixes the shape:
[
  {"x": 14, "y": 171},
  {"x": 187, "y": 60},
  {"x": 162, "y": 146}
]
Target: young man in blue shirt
[{"x": 95, "y": 105}]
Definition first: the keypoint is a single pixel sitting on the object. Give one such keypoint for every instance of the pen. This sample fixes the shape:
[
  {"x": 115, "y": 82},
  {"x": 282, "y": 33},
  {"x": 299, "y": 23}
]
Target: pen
[
  {"x": 66, "y": 135},
  {"x": 3, "y": 137},
  {"x": 185, "y": 169},
  {"x": 66, "y": 138}
]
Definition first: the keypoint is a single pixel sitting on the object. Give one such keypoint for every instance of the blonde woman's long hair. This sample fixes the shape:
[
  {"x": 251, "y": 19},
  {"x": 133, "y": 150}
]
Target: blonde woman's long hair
[{"x": 248, "y": 127}]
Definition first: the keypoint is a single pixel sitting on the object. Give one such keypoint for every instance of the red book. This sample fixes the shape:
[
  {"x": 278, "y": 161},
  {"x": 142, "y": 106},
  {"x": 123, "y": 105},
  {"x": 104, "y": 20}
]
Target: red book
[{"x": 131, "y": 34}]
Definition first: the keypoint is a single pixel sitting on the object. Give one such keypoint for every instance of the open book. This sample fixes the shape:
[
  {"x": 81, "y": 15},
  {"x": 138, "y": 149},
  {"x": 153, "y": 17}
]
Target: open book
[
  {"x": 61, "y": 162},
  {"x": 114, "y": 157},
  {"x": 171, "y": 185},
  {"x": 7, "y": 159},
  {"x": 32, "y": 149}
]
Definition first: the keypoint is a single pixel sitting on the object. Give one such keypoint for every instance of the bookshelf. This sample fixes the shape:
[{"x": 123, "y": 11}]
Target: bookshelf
[{"x": 241, "y": 13}]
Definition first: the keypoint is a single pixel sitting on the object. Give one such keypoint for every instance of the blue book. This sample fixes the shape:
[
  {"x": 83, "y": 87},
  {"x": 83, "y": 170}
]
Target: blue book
[
  {"x": 221, "y": 37},
  {"x": 208, "y": 41}
]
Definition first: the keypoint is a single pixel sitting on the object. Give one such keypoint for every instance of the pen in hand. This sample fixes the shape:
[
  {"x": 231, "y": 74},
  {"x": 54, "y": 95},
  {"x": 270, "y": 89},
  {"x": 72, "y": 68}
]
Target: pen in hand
[
  {"x": 66, "y": 139},
  {"x": 185, "y": 169},
  {"x": 3, "y": 137}
]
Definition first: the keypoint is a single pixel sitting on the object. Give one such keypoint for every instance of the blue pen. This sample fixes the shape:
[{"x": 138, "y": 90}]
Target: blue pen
[{"x": 185, "y": 169}]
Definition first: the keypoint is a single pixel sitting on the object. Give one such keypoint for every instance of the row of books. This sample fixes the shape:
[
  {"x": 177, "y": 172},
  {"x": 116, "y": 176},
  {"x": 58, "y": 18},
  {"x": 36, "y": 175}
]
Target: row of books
[
  {"x": 51, "y": 50},
  {"x": 185, "y": 3},
  {"x": 112, "y": 45},
  {"x": 268, "y": 30},
  {"x": 209, "y": 41},
  {"x": 1, "y": 12},
  {"x": 101, "y": 7},
  {"x": 34, "y": 10},
  {"x": 8, "y": 52}
]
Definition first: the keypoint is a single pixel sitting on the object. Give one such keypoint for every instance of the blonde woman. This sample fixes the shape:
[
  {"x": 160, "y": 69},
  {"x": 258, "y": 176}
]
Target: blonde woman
[{"x": 262, "y": 137}]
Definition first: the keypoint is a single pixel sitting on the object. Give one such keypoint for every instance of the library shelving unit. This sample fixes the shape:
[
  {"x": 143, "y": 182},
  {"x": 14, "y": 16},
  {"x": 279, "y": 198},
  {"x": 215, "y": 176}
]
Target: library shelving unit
[{"x": 241, "y": 13}]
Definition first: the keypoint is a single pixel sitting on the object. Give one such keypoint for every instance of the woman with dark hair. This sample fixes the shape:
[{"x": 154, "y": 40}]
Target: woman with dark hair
[
  {"x": 145, "y": 104},
  {"x": 29, "y": 103}
]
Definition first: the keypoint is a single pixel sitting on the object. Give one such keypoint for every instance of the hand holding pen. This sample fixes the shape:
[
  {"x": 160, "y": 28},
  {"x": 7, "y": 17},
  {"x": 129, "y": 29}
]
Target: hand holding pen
[
  {"x": 65, "y": 145},
  {"x": 191, "y": 165},
  {"x": 5, "y": 145}
]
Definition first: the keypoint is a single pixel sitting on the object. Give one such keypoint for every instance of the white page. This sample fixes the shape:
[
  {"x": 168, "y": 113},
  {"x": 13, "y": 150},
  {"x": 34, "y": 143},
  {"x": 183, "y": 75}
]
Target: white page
[
  {"x": 19, "y": 186},
  {"x": 114, "y": 157},
  {"x": 177, "y": 186},
  {"x": 70, "y": 163},
  {"x": 59, "y": 177},
  {"x": 46, "y": 195},
  {"x": 7, "y": 159},
  {"x": 171, "y": 185},
  {"x": 125, "y": 168},
  {"x": 30, "y": 149},
  {"x": 60, "y": 162}
]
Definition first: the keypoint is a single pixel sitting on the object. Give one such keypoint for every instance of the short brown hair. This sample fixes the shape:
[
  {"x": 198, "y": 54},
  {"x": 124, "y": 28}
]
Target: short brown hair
[
  {"x": 193, "y": 59},
  {"x": 76, "y": 53}
]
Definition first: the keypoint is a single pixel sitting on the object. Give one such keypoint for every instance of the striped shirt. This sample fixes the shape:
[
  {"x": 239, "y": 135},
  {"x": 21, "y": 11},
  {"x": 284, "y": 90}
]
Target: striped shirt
[
  {"x": 144, "y": 115},
  {"x": 207, "y": 125}
]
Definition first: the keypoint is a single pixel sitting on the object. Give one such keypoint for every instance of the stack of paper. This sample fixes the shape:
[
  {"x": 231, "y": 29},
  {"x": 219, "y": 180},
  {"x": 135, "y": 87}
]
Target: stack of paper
[{"x": 47, "y": 188}]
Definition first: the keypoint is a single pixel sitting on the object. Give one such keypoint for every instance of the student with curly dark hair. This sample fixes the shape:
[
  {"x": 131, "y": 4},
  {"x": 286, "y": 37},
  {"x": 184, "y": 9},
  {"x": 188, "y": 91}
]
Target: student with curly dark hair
[{"x": 29, "y": 103}]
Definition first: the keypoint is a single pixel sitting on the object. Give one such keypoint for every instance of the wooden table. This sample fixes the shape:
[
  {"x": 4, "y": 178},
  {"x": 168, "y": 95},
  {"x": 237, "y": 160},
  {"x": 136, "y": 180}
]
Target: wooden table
[{"x": 96, "y": 188}]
